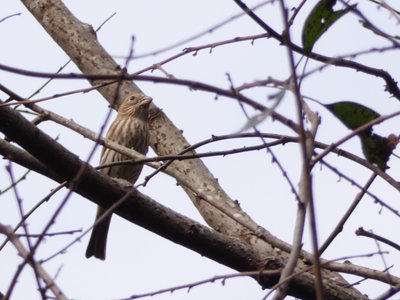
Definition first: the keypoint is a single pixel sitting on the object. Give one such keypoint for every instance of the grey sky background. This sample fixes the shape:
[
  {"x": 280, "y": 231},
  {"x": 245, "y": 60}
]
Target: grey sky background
[{"x": 139, "y": 261}]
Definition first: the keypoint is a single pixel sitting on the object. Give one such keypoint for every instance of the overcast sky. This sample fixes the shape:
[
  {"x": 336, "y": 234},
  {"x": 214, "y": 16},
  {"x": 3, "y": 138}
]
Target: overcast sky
[{"x": 139, "y": 261}]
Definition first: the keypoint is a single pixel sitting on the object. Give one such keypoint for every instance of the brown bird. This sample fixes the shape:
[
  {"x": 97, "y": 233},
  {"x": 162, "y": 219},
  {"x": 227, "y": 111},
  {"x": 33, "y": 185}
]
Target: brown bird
[{"x": 129, "y": 129}]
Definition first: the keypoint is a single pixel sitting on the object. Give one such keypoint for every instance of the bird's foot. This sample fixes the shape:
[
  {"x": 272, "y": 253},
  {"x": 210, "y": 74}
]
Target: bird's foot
[{"x": 123, "y": 182}]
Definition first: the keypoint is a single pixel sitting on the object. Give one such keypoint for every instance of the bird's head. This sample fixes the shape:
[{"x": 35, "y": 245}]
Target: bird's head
[{"x": 136, "y": 106}]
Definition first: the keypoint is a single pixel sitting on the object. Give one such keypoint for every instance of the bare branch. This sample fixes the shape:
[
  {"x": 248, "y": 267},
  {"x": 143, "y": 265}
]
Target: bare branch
[{"x": 58, "y": 294}]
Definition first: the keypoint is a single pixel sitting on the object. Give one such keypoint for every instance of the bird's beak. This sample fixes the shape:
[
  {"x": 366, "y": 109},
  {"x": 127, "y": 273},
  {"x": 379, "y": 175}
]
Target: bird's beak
[{"x": 146, "y": 100}]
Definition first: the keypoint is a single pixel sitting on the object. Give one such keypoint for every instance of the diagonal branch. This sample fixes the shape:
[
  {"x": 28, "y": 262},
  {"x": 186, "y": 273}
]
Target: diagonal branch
[
  {"x": 145, "y": 212},
  {"x": 78, "y": 40}
]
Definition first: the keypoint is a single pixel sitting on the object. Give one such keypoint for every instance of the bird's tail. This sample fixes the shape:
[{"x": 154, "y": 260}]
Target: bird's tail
[{"x": 98, "y": 239}]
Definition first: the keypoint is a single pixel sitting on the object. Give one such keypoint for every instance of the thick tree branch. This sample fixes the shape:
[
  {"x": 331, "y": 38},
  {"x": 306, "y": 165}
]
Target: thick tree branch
[
  {"x": 78, "y": 40},
  {"x": 26, "y": 160},
  {"x": 147, "y": 213}
]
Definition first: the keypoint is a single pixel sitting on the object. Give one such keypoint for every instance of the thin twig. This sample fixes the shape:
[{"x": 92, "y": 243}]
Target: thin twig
[
  {"x": 391, "y": 83},
  {"x": 11, "y": 186},
  {"x": 211, "y": 29},
  {"x": 194, "y": 50},
  {"x": 339, "y": 227},
  {"x": 10, "y": 16},
  {"x": 359, "y": 186},
  {"x": 27, "y": 257},
  {"x": 306, "y": 195},
  {"x": 361, "y": 232},
  {"x": 33, "y": 209},
  {"x": 106, "y": 213}
]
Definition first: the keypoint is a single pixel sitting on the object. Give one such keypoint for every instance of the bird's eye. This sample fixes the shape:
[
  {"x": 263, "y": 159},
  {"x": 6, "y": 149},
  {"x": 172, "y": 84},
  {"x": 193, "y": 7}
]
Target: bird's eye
[{"x": 133, "y": 98}]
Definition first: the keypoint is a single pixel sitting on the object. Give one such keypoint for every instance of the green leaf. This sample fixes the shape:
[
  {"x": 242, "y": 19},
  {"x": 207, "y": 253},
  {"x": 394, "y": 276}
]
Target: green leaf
[
  {"x": 377, "y": 149},
  {"x": 319, "y": 20},
  {"x": 352, "y": 115}
]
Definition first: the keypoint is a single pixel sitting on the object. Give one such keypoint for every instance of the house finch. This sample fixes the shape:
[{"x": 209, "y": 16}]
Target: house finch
[{"x": 129, "y": 129}]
